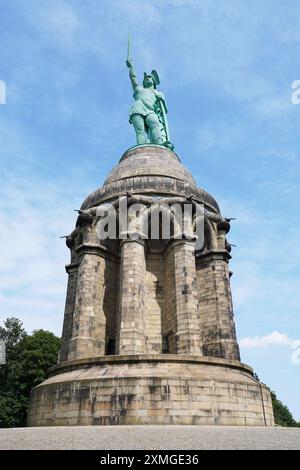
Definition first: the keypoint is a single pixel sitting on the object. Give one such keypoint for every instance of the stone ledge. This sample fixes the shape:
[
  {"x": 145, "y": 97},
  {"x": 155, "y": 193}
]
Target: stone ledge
[
  {"x": 148, "y": 358},
  {"x": 152, "y": 148}
]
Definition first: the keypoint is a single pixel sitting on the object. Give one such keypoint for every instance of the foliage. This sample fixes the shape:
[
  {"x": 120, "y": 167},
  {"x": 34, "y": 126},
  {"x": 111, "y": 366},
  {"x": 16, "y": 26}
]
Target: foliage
[
  {"x": 27, "y": 359},
  {"x": 282, "y": 415}
]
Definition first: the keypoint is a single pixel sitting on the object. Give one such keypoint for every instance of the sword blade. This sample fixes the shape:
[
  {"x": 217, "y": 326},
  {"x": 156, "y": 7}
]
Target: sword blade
[{"x": 128, "y": 47}]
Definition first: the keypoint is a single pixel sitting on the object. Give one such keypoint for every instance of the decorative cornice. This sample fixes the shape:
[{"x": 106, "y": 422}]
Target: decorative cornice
[{"x": 163, "y": 186}]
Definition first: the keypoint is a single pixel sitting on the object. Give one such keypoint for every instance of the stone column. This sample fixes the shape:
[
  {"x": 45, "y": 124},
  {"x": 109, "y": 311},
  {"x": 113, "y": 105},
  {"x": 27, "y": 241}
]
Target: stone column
[
  {"x": 188, "y": 340},
  {"x": 72, "y": 270},
  {"x": 132, "y": 296},
  {"x": 215, "y": 304},
  {"x": 89, "y": 323}
]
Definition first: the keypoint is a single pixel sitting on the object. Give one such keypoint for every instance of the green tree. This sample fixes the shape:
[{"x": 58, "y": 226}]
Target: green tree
[
  {"x": 39, "y": 352},
  {"x": 12, "y": 333},
  {"x": 12, "y": 402},
  {"x": 27, "y": 359},
  {"x": 282, "y": 415}
]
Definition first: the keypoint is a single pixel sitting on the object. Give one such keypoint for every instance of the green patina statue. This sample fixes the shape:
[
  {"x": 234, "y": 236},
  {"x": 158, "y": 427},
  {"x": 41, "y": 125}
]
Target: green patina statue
[{"x": 149, "y": 112}]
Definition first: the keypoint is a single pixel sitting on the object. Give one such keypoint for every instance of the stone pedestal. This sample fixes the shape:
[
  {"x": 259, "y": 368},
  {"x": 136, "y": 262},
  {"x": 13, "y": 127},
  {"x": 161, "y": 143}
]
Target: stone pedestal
[
  {"x": 151, "y": 389},
  {"x": 149, "y": 334}
]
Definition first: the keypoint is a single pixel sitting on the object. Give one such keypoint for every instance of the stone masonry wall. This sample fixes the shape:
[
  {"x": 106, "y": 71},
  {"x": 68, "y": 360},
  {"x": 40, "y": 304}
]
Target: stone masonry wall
[
  {"x": 154, "y": 302},
  {"x": 169, "y": 321},
  {"x": 110, "y": 303},
  {"x": 152, "y": 392}
]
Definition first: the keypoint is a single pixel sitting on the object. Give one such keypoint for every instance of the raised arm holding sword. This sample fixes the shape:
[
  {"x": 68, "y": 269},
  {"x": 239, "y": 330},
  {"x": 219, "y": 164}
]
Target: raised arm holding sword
[{"x": 149, "y": 112}]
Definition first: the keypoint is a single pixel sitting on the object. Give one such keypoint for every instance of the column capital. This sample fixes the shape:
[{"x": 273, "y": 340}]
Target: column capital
[
  {"x": 173, "y": 242},
  {"x": 98, "y": 250},
  {"x": 132, "y": 236},
  {"x": 213, "y": 255}
]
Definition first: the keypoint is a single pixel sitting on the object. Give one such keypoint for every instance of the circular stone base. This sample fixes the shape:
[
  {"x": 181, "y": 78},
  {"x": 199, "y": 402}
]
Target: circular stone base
[{"x": 151, "y": 389}]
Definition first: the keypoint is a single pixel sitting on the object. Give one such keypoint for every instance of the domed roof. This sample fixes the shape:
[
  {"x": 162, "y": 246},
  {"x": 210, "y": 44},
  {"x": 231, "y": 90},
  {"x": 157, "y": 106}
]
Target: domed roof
[
  {"x": 149, "y": 160},
  {"x": 149, "y": 169}
]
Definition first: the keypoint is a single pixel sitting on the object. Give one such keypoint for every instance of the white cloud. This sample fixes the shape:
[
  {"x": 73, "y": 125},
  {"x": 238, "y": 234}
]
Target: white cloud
[
  {"x": 32, "y": 276},
  {"x": 35, "y": 210},
  {"x": 273, "y": 339}
]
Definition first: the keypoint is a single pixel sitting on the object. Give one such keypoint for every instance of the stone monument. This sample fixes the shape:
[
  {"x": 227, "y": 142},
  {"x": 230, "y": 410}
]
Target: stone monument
[{"x": 149, "y": 334}]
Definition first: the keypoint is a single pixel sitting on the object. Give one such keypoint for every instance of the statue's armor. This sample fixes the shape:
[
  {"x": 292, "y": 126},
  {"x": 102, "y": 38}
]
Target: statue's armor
[{"x": 145, "y": 100}]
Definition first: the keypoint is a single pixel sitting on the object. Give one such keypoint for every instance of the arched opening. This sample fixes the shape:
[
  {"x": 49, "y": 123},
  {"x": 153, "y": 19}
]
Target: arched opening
[{"x": 160, "y": 299}]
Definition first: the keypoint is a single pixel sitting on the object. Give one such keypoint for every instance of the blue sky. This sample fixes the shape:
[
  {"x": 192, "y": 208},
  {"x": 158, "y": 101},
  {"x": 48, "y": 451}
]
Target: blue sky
[{"x": 226, "y": 68}]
